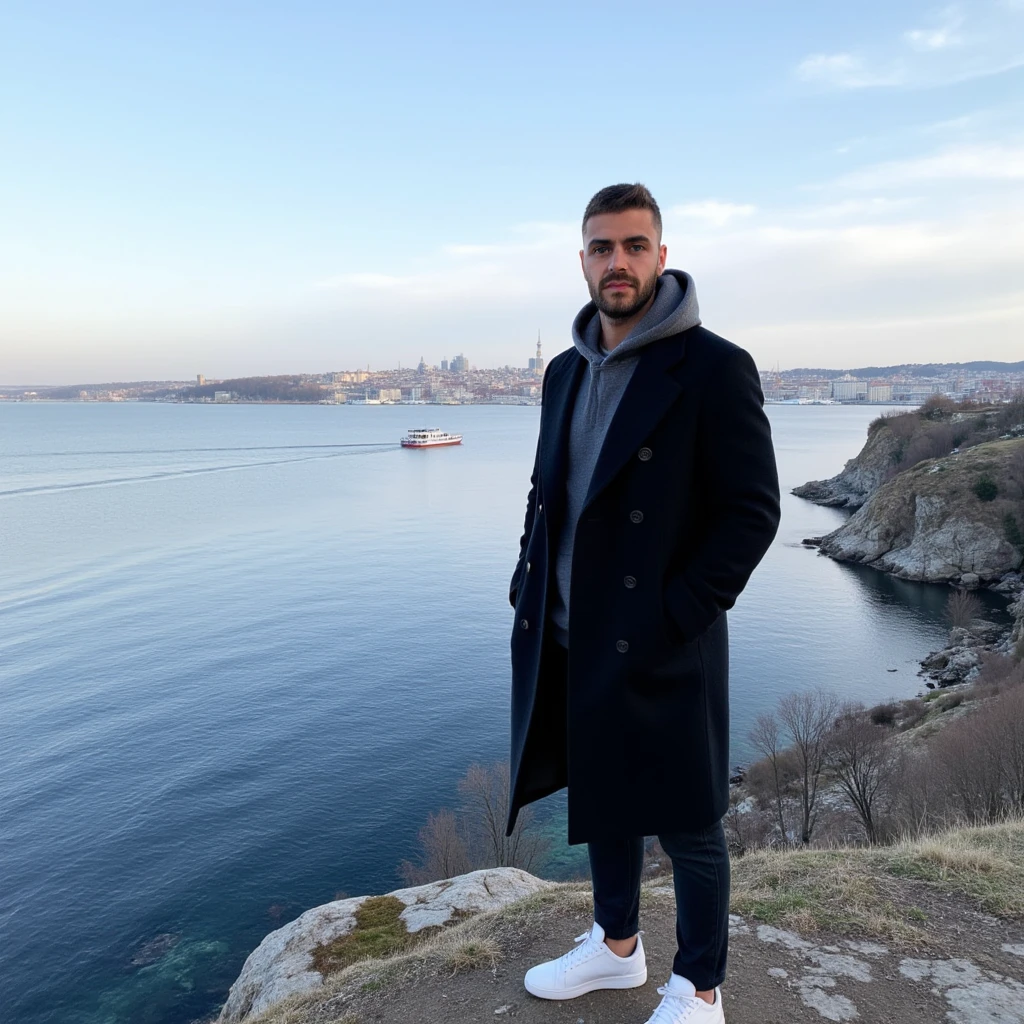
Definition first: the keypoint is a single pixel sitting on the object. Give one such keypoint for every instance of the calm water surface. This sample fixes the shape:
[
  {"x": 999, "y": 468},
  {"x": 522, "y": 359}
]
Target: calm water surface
[{"x": 237, "y": 669}]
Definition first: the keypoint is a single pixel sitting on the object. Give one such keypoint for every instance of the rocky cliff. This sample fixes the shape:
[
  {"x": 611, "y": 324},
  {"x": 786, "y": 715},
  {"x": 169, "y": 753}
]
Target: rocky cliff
[
  {"x": 859, "y": 477},
  {"x": 898, "y": 441},
  {"x": 295, "y": 959},
  {"x": 954, "y": 519}
]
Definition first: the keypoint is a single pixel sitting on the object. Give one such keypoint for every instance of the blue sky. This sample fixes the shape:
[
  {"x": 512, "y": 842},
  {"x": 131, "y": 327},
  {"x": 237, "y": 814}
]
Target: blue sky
[{"x": 235, "y": 188}]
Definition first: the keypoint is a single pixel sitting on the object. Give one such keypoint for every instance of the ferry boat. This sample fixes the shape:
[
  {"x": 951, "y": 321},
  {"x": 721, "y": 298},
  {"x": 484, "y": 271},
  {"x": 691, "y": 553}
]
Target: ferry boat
[{"x": 429, "y": 437}]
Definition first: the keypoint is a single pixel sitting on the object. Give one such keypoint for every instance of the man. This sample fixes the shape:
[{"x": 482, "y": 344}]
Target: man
[{"x": 653, "y": 497}]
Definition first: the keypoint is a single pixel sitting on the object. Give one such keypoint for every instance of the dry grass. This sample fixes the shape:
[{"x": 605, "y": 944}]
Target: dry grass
[
  {"x": 567, "y": 898},
  {"x": 859, "y": 892},
  {"x": 985, "y": 864},
  {"x": 466, "y": 945},
  {"x": 855, "y": 892},
  {"x": 471, "y": 953},
  {"x": 837, "y": 891}
]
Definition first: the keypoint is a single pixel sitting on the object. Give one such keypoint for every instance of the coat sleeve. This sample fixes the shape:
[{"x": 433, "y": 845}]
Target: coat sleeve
[
  {"x": 531, "y": 511},
  {"x": 737, "y": 473}
]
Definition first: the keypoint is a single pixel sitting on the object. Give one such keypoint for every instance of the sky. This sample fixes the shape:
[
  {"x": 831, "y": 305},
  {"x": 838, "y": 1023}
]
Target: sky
[{"x": 254, "y": 188}]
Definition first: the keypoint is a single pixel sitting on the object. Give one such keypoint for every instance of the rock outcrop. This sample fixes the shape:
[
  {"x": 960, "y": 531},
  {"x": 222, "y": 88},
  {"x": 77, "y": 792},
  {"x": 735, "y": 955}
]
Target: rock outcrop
[
  {"x": 283, "y": 963},
  {"x": 859, "y": 478},
  {"x": 897, "y": 442},
  {"x": 961, "y": 658},
  {"x": 929, "y": 522}
]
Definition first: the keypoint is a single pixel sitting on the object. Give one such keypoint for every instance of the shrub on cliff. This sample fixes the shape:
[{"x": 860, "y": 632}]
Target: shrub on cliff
[
  {"x": 1012, "y": 413},
  {"x": 452, "y": 843},
  {"x": 938, "y": 407},
  {"x": 962, "y": 608},
  {"x": 981, "y": 760},
  {"x": 985, "y": 488}
]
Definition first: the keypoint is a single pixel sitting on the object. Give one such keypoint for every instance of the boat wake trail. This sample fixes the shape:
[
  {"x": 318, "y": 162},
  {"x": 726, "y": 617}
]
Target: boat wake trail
[
  {"x": 189, "y": 451},
  {"x": 199, "y": 470}
]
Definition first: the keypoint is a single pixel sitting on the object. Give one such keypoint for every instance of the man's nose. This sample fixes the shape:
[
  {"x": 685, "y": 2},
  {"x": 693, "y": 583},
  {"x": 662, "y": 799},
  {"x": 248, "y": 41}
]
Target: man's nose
[{"x": 617, "y": 258}]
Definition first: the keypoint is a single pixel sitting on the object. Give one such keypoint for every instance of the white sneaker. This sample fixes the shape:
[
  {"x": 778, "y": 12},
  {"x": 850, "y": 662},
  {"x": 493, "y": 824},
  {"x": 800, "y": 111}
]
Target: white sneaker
[
  {"x": 590, "y": 965},
  {"x": 681, "y": 1003}
]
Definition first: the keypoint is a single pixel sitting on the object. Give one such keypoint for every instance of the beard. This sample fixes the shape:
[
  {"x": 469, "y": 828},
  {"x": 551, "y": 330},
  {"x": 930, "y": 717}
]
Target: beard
[{"x": 616, "y": 305}]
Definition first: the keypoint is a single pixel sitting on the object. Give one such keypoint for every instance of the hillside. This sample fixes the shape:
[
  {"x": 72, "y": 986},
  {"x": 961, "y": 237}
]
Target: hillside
[
  {"x": 917, "y": 932},
  {"x": 939, "y": 494},
  {"x": 900, "y": 440},
  {"x": 958, "y": 518}
]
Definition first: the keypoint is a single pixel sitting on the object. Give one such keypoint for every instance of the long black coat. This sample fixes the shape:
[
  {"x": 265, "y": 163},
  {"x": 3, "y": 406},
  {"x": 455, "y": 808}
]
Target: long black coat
[{"x": 682, "y": 506}]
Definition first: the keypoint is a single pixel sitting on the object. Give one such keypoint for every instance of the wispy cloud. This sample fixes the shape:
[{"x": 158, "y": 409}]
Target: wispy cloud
[
  {"x": 846, "y": 71},
  {"x": 954, "y": 45},
  {"x": 713, "y": 212},
  {"x": 943, "y": 33},
  {"x": 991, "y": 162}
]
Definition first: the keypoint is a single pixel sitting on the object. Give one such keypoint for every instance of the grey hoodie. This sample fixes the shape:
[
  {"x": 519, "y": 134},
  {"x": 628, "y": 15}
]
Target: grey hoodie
[{"x": 674, "y": 310}]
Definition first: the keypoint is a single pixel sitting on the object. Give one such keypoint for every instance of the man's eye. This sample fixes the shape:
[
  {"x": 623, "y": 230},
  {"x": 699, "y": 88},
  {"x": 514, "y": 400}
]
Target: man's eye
[{"x": 637, "y": 245}]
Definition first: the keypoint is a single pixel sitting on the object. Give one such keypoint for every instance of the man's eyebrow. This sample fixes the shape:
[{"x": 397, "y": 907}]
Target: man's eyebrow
[{"x": 608, "y": 241}]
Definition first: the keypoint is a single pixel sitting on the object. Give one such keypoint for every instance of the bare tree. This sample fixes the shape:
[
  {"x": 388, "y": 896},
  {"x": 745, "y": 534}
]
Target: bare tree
[
  {"x": 1009, "y": 723},
  {"x": 485, "y": 794},
  {"x": 443, "y": 851},
  {"x": 767, "y": 740},
  {"x": 971, "y": 769},
  {"x": 962, "y": 608},
  {"x": 863, "y": 760},
  {"x": 809, "y": 718}
]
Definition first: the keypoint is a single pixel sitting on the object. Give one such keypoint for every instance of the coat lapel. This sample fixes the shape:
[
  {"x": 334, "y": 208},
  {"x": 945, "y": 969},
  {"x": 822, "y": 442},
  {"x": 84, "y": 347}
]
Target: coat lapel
[{"x": 648, "y": 395}]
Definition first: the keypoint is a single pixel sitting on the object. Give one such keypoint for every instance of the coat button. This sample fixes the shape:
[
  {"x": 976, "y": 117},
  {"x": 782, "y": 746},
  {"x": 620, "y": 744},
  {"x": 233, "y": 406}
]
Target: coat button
[
  {"x": 636, "y": 516},
  {"x": 540, "y": 508},
  {"x": 644, "y": 454},
  {"x": 621, "y": 646},
  {"x": 527, "y": 566},
  {"x": 523, "y": 624},
  {"x": 630, "y": 582}
]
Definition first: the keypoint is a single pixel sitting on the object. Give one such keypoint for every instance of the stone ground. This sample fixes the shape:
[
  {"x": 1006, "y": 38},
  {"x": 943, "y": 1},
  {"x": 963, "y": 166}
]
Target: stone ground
[{"x": 971, "y": 972}]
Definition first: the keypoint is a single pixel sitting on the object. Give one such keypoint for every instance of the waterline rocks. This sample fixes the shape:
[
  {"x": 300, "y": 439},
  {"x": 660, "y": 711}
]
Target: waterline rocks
[{"x": 285, "y": 962}]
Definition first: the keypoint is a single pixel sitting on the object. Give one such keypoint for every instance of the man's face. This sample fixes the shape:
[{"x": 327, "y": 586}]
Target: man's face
[{"x": 622, "y": 258}]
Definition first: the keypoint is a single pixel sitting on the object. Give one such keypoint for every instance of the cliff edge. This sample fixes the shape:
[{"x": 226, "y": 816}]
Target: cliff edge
[
  {"x": 860, "y": 476},
  {"x": 917, "y": 932}
]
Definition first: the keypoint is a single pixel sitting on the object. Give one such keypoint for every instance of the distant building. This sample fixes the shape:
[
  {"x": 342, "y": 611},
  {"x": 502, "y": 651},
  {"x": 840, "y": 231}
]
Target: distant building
[
  {"x": 222, "y": 396},
  {"x": 460, "y": 364},
  {"x": 849, "y": 389},
  {"x": 880, "y": 393},
  {"x": 537, "y": 365},
  {"x": 200, "y": 380},
  {"x": 444, "y": 364},
  {"x": 422, "y": 368},
  {"x": 390, "y": 394}
]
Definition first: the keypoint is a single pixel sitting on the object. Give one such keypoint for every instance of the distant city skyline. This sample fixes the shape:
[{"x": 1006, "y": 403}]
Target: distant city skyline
[{"x": 252, "y": 191}]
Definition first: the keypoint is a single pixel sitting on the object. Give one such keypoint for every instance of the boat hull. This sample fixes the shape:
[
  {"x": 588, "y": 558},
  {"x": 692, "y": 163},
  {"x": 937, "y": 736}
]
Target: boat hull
[{"x": 429, "y": 444}]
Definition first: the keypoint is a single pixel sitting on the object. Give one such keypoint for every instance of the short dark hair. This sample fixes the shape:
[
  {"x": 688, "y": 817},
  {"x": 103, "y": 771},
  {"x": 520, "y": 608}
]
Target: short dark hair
[{"x": 616, "y": 198}]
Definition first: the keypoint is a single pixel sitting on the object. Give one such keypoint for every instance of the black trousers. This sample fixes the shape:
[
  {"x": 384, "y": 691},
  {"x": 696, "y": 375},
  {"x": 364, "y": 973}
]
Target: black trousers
[
  {"x": 700, "y": 868},
  {"x": 700, "y": 874}
]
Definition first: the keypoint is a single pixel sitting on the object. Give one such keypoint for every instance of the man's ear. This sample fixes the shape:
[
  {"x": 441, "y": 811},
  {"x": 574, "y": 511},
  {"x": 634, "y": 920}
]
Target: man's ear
[
  {"x": 582, "y": 267},
  {"x": 662, "y": 257}
]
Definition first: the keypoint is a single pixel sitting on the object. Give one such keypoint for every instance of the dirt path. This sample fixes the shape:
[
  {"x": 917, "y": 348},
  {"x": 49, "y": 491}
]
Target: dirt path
[{"x": 971, "y": 973}]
